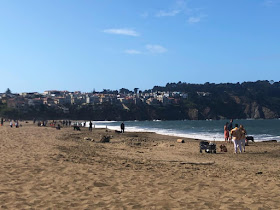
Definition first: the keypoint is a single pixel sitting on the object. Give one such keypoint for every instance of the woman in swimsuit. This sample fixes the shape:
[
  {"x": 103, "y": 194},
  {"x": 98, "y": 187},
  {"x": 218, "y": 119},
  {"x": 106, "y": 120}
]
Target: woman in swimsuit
[{"x": 226, "y": 132}]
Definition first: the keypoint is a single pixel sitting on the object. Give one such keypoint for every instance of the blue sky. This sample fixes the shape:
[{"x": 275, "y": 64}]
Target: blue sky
[{"x": 110, "y": 44}]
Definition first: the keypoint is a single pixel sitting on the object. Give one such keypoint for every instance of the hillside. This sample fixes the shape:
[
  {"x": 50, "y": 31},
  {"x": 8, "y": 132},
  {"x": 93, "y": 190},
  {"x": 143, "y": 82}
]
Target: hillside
[{"x": 255, "y": 100}]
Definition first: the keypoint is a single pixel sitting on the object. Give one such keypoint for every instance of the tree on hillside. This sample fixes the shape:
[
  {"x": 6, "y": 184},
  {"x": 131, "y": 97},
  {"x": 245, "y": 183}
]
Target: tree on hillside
[
  {"x": 124, "y": 91},
  {"x": 8, "y": 91}
]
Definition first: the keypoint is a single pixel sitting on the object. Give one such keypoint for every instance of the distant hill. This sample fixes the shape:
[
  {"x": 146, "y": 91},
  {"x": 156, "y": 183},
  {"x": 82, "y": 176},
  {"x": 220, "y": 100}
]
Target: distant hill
[{"x": 260, "y": 99}]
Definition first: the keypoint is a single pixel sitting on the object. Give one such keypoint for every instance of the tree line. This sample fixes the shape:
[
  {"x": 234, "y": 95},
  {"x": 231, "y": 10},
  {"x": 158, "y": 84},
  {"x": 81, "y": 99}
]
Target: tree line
[{"x": 260, "y": 99}]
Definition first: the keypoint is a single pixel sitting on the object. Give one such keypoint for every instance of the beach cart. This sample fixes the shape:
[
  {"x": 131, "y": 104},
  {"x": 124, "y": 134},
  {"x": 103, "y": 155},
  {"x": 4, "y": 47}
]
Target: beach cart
[{"x": 207, "y": 147}]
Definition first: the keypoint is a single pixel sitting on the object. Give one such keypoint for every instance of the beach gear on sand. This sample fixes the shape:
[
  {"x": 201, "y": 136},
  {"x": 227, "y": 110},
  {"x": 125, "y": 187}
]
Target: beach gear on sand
[{"x": 208, "y": 147}]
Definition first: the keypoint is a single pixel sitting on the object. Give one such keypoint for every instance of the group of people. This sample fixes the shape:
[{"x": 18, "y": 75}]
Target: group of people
[
  {"x": 13, "y": 123},
  {"x": 53, "y": 123},
  {"x": 237, "y": 135}
]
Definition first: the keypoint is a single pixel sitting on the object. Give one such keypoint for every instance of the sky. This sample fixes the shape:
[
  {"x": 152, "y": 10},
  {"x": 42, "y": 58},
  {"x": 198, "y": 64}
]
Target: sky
[{"x": 90, "y": 45}]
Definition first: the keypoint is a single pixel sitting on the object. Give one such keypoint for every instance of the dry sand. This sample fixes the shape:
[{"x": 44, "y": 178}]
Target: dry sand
[{"x": 45, "y": 168}]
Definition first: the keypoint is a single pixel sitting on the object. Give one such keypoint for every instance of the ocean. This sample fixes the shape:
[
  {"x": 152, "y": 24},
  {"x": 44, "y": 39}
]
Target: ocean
[{"x": 261, "y": 130}]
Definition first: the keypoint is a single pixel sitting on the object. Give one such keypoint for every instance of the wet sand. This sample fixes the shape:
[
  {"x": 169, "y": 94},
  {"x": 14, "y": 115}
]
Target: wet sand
[{"x": 45, "y": 168}]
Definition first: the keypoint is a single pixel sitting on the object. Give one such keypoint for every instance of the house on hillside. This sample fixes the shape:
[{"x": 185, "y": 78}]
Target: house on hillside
[
  {"x": 35, "y": 102},
  {"x": 30, "y": 94},
  {"x": 48, "y": 101},
  {"x": 203, "y": 94},
  {"x": 16, "y": 103}
]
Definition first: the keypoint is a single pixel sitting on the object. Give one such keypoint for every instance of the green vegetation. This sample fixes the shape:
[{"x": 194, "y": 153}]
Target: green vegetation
[{"x": 259, "y": 99}]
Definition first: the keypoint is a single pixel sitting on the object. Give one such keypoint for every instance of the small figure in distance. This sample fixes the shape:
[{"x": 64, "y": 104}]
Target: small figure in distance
[
  {"x": 90, "y": 126},
  {"x": 226, "y": 132},
  {"x": 58, "y": 127},
  {"x": 243, "y": 134},
  {"x": 122, "y": 127}
]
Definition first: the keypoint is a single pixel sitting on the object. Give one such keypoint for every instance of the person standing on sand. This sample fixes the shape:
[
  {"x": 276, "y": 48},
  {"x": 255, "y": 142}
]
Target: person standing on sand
[
  {"x": 2, "y": 121},
  {"x": 229, "y": 129},
  {"x": 243, "y": 134},
  {"x": 11, "y": 123},
  {"x": 226, "y": 132},
  {"x": 235, "y": 133},
  {"x": 122, "y": 127},
  {"x": 90, "y": 126}
]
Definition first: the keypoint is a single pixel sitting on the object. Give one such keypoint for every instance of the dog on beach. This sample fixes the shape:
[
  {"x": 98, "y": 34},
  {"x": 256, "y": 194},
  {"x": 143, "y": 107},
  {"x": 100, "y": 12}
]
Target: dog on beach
[
  {"x": 77, "y": 128},
  {"x": 116, "y": 131},
  {"x": 249, "y": 138},
  {"x": 223, "y": 148}
]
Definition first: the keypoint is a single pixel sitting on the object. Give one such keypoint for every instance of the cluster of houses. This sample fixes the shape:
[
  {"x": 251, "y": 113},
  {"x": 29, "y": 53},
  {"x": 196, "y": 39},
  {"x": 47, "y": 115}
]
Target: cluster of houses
[{"x": 61, "y": 98}]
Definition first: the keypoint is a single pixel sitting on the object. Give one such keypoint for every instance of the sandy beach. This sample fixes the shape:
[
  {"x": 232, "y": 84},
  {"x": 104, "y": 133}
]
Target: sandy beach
[{"x": 45, "y": 168}]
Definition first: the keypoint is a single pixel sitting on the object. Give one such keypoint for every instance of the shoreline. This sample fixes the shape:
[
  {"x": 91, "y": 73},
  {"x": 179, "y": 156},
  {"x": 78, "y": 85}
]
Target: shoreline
[
  {"x": 211, "y": 137},
  {"x": 204, "y": 136},
  {"x": 189, "y": 132}
]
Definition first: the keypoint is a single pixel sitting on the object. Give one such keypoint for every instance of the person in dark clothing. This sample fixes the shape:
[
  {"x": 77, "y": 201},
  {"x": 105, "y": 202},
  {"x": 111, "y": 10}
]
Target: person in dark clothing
[
  {"x": 2, "y": 121},
  {"x": 122, "y": 127},
  {"x": 90, "y": 126},
  {"x": 58, "y": 127}
]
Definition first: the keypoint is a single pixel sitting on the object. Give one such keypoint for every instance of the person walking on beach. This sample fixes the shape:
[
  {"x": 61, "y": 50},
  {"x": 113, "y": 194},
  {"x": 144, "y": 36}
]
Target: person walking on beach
[
  {"x": 226, "y": 132},
  {"x": 122, "y": 127},
  {"x": 243, "y": 134},
  {"x": 229, "y": 129},
  {"x": 11, "y": 123},
  {"x": 235, "y": 133},
  {"x": 2, "y": 121},
  {"x": 90, "y": 126}
]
